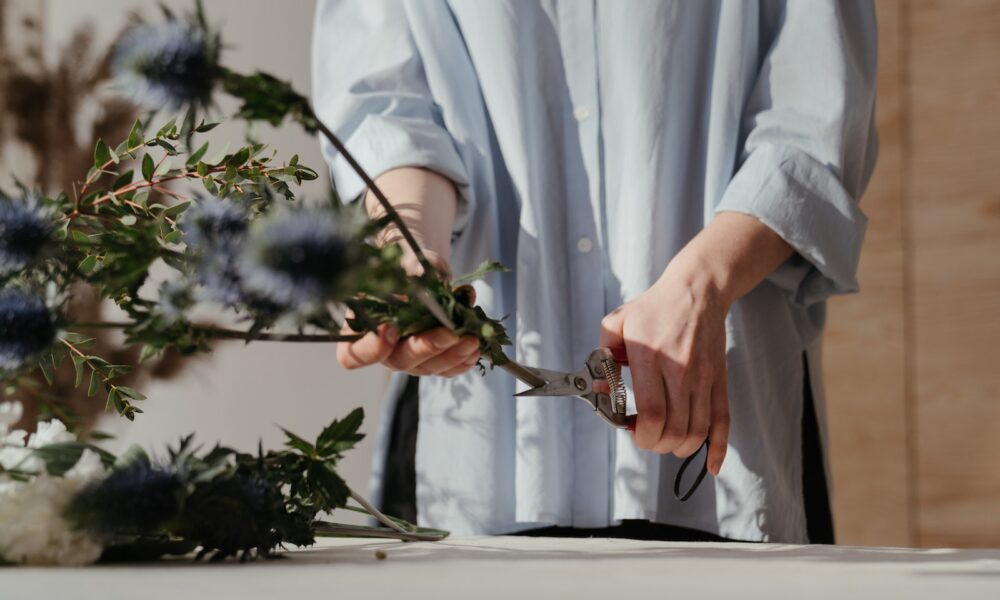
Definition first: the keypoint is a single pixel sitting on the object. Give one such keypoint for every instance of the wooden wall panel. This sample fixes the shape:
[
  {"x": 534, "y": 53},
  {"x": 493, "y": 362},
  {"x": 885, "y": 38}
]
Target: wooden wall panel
[
  {"x": 954, "y": 187},
  {"x": 864, "y": 353}
]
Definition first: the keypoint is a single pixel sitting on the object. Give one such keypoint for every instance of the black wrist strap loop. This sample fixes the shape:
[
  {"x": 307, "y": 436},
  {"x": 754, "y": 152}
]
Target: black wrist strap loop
[{"x": 697, "y": 480}]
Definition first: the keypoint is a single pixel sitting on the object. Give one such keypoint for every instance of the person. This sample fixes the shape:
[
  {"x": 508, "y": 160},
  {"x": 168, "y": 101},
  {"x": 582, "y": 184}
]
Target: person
[{"x": 678, "y": 178}]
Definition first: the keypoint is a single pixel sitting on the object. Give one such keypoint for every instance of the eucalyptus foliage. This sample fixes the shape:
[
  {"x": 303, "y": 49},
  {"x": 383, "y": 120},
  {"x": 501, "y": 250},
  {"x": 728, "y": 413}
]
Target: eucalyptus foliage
[{"x": 227, "y": 224}]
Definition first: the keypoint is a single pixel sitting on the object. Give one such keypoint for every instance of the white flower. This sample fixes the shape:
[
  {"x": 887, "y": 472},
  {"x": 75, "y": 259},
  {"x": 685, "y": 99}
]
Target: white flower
[
  {"x": 15, "y": 454},
  {"x": 33, "y": 529},
  {"x": 10, "y": 413},
  {"x": 50, "y": 432}
]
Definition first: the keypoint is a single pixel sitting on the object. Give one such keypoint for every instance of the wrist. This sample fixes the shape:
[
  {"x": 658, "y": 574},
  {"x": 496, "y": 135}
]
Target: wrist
[{"x": 707, "y": 278}]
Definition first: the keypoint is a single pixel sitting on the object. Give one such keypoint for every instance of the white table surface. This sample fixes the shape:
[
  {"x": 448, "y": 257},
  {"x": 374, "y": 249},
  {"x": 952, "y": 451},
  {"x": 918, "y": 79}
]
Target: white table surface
[{"x": 515, "y": 567}]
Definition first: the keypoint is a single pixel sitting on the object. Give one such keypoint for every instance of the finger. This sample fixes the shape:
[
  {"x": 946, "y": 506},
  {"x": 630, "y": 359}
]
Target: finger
[
  {"x": 718, "y": 432},
  {"x": 698, "y": 423},
  {"x": 420, "y": 348},
  {"x": 678, "y": 412},
  {"x": 370, "y": 349},
  {"x": 453, "y": 357},
  {"x": 612, "y": 329},
  {"x": 462, "y": 368},
  {"x": 466, "y": 293},
  {"x": 650, "y": 397}
]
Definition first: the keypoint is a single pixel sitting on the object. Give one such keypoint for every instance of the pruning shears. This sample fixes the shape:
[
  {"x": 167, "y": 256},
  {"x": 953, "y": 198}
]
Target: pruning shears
[
  {"x": 603, "y": 366},
  {"x": 609, "y": 398}
]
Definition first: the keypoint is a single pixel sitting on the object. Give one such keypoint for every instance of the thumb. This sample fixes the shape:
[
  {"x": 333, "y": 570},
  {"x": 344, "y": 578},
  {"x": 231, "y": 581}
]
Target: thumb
[{"x": 612, "y": 327}]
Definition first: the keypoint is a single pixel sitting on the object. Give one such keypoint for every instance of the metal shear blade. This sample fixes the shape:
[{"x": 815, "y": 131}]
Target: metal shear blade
[{"x": 545, "y": 382}]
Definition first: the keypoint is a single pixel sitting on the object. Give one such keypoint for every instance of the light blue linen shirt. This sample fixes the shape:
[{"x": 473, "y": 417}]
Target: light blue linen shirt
[{"x": 590, "y": 141}]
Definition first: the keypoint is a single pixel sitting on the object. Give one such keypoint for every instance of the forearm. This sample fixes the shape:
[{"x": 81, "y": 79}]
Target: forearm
[
  {"x": 730, "y": 257},
  {"x": 426, "y": 201}
]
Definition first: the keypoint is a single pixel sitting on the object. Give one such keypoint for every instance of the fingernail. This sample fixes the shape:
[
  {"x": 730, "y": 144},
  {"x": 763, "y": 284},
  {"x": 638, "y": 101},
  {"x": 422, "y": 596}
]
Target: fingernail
[
  {"x": 444, "y": 340},
  {"x": 391, "y": 335}
]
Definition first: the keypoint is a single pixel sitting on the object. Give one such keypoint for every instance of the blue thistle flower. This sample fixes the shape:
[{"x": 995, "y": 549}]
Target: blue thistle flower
[
  {"x": 27, "y": 327},
  {"x": 173, "y": 299},
  {"x": 170, "y": 64},
  {"x": 137, "y": 498},
  {"x": 25, "y": 230},
  {"x": 214, "y": 224},
  {"x": 296, "y": 259},
  {"x": 215, "y": 229},
  {"x": 234, "y": 514}
]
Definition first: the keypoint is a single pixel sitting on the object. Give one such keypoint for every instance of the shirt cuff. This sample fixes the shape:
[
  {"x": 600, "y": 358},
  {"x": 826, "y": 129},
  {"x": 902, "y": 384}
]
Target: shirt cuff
[
  {"x": 805, "y": 203},
  {"x": 382, "y": 143}
]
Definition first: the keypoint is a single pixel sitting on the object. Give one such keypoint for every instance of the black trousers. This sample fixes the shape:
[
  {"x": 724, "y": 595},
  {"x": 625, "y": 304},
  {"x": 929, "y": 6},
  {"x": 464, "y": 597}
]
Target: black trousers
[{"x": 399, "y": 496}]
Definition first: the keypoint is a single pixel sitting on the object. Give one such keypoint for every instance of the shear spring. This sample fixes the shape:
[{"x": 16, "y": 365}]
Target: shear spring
[{"x": 613, "y": 376}]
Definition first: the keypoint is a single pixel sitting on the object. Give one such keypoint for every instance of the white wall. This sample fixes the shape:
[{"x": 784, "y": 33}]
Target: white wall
[{"x": 239, "y": 393}]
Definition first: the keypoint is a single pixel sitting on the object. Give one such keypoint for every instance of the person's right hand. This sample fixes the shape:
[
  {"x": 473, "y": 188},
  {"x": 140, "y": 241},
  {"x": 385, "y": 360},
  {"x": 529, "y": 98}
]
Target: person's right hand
[{"x": 434, "y": 352}]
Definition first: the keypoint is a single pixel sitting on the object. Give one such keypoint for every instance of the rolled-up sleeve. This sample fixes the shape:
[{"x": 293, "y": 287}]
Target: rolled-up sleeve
[
  {"x": 809, "y": 142},
  {"x": 369, "y": 88}
]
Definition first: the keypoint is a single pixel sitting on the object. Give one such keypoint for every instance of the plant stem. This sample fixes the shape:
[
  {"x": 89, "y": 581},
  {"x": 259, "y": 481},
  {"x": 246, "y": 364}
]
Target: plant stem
[
  {"x": 391, "y": 524},
  {"x": 390, "y": 210},
  {"x": 222, "y": 333}
]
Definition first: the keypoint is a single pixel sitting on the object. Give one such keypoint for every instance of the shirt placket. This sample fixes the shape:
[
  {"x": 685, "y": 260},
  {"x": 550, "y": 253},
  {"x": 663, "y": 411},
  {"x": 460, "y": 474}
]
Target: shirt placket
[{"x": 592, "y": 437}]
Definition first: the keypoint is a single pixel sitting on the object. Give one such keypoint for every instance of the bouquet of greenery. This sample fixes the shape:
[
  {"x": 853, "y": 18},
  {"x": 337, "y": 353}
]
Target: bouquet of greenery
[
  {"x": 239, "y": 242},
  {"x": 66, "y": 502}
]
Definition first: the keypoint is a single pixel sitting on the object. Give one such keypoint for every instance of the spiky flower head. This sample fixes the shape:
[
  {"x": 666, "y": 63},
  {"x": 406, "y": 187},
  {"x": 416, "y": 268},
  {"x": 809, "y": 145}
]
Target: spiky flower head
[
  {"x": 26, "y": 228},
  {"x": 136, "y": 498},
  {"x": 234, "y": 514},
  {"x": 173, "y": 64},
  {"x": 296, "y": 258},
  {"x": 27, "y": 327},
  {"x": 215, "y": 230},
  {"x": 173, "y": 299}
]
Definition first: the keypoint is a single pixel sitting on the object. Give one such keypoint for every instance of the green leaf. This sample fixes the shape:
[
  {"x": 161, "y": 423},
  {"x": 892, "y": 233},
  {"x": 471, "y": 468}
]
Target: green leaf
[
  {"x": 130, "y": 392},
  {"x": 147, "y": 167},
  {"x": 114, "y": 402},
  {"x": 88, "y": 265},
  {"x": 46, "y": 369},
  {"x": 170, "y": 148},
  {"x": 135, "y": 140},
  {"x": 166, "y": 129},
  {"x": 148, "y": 352},
  {"x": 123, "y": 180},
  {"x": 61, "y": 457},
  {"x": 102, "y": 154},
  {"x": 197, "y": 155},
  {"x": 141, "y": 196},
  {"x": 484, "y": 269},
  {"x": 175, "y": 210},
  {"x": 78, "y": 362},
  {"x": 239, "y": 158},
  {"x": 95, "y": 384},
  {"x": 78, "y": 339},
  {"x": 299, "y": 444},
  {"x": 132, "y": 454},
  {"x": 204, "y": 127},
  {"x": 330, "y": 486},
  {"x": 341, "y": 435},
  {"x": 80, "y": 237}
]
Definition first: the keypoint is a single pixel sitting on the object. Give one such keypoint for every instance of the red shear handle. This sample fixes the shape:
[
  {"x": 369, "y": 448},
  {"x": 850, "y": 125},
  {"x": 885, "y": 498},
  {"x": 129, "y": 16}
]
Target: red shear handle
[{"x": 620, "y": 356}]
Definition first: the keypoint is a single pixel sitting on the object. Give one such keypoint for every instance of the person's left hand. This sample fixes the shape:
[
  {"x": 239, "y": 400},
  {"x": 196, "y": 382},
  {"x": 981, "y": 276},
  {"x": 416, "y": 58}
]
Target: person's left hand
[{"x": 675, "y": 337}]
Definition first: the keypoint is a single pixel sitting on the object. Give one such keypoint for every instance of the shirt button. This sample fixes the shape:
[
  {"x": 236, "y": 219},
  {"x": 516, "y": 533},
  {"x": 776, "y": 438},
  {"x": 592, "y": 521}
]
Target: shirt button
[
  {"x": 584, "y": 245},
  {"x": 580, "y": 113}
]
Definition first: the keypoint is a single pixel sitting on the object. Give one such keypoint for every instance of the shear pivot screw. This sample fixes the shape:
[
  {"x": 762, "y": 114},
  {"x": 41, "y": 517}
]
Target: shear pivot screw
[{"x": 580, "y": 384}]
